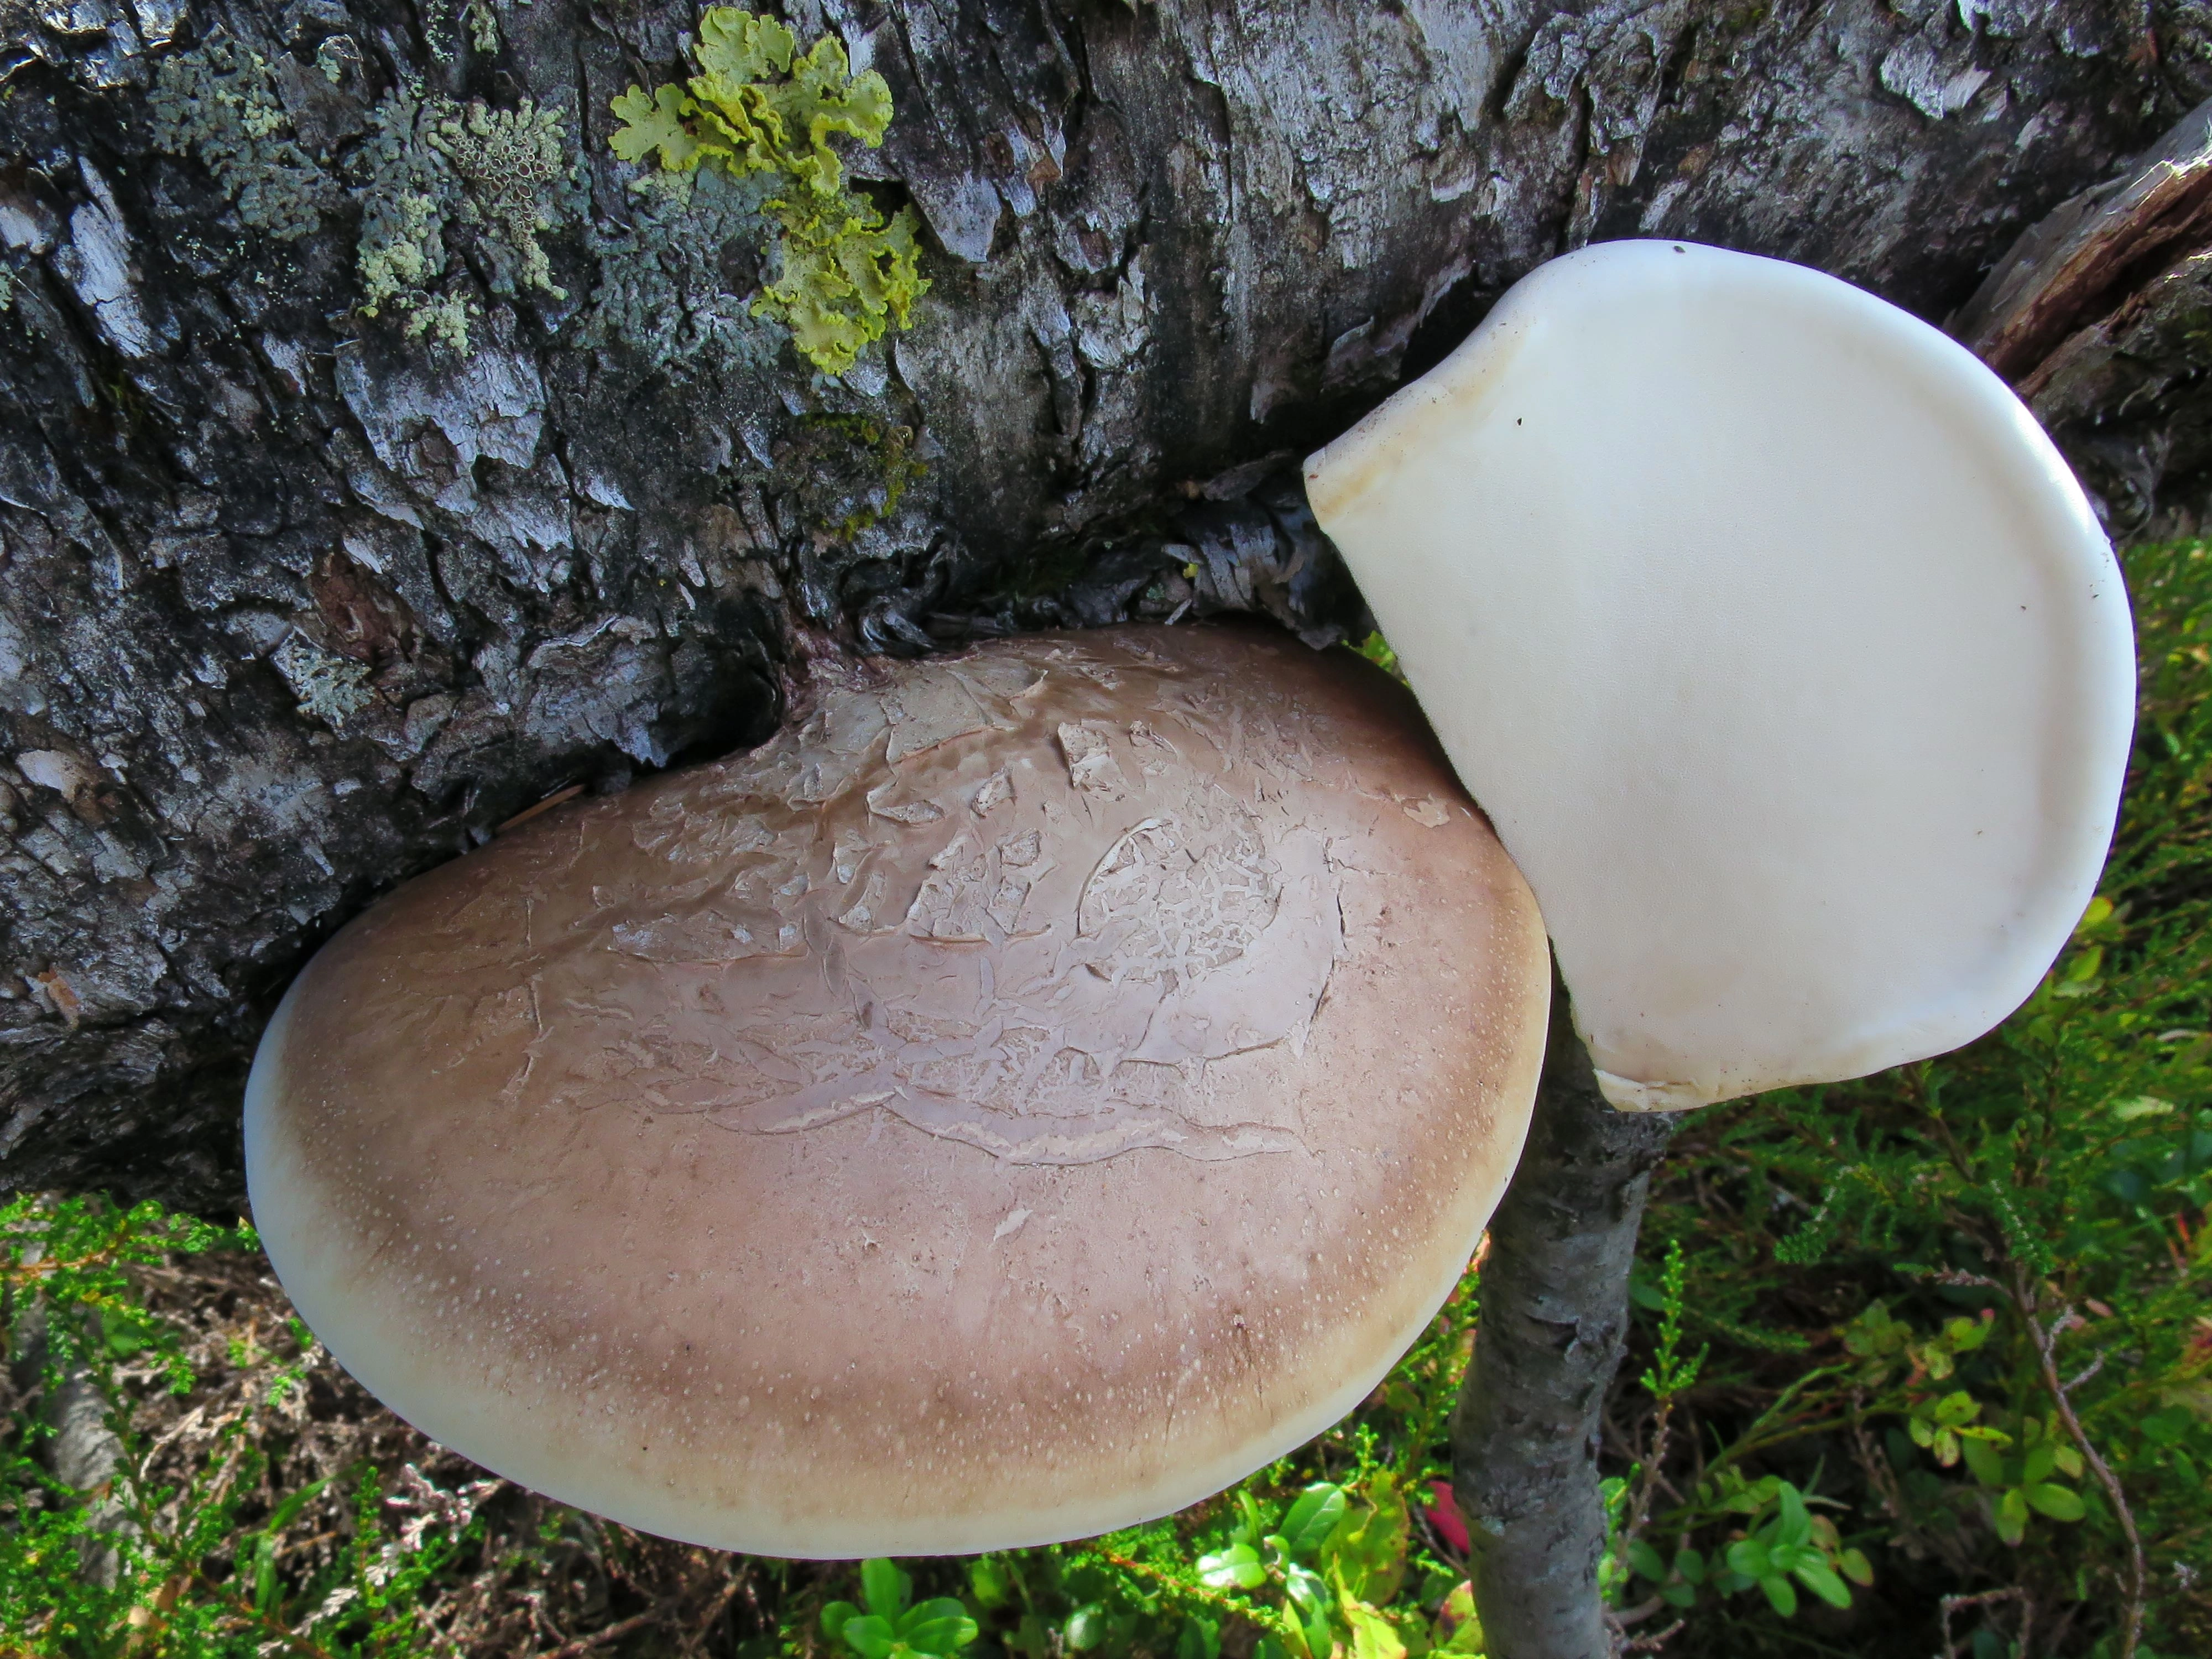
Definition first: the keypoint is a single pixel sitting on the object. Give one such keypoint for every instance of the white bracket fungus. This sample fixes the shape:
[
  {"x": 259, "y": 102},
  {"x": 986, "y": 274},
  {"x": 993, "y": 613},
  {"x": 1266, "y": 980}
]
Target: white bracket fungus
[{"x": 1776, "y": 640}]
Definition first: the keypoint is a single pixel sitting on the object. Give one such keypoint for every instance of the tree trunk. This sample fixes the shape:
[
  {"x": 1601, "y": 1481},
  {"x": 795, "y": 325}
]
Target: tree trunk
[
  {"x": 1554, "y": 1318},
  {"x": 294, "y": 602}
]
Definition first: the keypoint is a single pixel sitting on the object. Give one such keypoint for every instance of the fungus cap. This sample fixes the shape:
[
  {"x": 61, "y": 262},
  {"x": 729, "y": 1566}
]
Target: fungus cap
[
  {"x": 1025, "y": 1095},
  {"x": 1777, "y": 642}
]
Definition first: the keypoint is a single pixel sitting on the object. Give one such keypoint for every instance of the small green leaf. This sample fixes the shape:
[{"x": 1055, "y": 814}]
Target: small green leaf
[
  {"x": 2037, "y": 1465},
  {"x": 836, "y": 1616},
  {"x": 1690, "y": 1565},
  {"x": 2164, "y": 1428},
  {"x": 289, "y": 1511},
  {"x": 1236, "y": 1567},
  {"x": 1459, "y": 1629},
  {"x": 938, "y": 1627},
  {"x": 1749, "y": 1557},
  {"x": 1956, "y": 1408},
  {"x": 1967, "y": 1334},
  {"x": 989, "y": 1582},
  {"x": 1818, "y": 1577},
  {"x": 1781, "y": 1592},
  {"x": 1250, "y": 1527},
  {"x": 265, "y": 1574},
  {"x": 884, "y": 1588},
  {"x": 1986, "y": 1461},
  {"x": 1086, "y": 1627},
  {"x": 868, "y": 1634},
  {"x": 1855, "y": 1567},
  {"x": 1373, "y": 1637},
  {"x": 2059, "y": 1503},
  {"x": 2141, "y": 1106},
  {"x": 1200, "y": 1638},
  {"x": 1646, "y": 1561},
  {"x": 1309, "y": 1597},
  {"x": 1311, "y": 1519},
  {"x": 1793, "y": 1521},
  {"x": 2012, "y": 1516}
]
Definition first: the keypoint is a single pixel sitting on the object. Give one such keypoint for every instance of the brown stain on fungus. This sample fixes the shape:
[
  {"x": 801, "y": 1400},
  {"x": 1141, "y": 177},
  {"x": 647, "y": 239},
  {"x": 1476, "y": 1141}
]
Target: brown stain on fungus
[{"x": 927, "y": 1105}]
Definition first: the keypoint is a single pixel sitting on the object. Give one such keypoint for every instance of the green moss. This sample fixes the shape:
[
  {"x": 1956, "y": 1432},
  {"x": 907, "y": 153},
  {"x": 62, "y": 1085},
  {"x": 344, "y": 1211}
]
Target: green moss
[
  {"x": 216, "y": 102},
  {"x": 436, "y": 175},
  {"x": 844, "y": 273},
  {"x": 848, "y": 471}
]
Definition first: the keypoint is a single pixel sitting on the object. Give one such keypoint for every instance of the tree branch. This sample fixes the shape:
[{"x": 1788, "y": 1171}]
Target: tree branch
[{"x": 1554, "y": 1317}]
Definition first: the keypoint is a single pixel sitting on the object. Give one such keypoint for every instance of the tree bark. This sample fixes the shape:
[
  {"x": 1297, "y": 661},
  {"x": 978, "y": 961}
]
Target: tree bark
[
  {"x": 1554, "y": 1320},
  {"x": 292, "y": 605}
]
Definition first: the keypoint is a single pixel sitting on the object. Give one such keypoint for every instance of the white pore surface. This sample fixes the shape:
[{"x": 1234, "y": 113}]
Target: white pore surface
[{"x": 1776, "y": 640}]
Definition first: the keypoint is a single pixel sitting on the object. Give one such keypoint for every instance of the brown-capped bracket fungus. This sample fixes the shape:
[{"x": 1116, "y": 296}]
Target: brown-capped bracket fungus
[{"x": 1039, "y": 1086}]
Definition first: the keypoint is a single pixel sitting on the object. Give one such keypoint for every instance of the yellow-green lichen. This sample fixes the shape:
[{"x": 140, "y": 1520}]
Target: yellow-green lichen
[
  {"x": 844, "y": 273},
  {"x": 217, "y": 102},
  {"x": 435, "y": 170},
  {"x": 482, "y": 25}
]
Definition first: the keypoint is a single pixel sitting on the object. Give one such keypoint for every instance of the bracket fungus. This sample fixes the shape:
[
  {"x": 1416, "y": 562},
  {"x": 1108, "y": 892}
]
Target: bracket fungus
[
  {"x": 991, "y": 1112},
  {"x": 1777, "y": 642}
]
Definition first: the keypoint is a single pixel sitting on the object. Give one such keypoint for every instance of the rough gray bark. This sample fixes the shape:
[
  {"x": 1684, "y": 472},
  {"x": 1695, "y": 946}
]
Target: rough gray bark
[
  {"x": 292, "y": 605},
  {"x": 1554, "y": 1320},
  {"x": 2102, "y": 316}
]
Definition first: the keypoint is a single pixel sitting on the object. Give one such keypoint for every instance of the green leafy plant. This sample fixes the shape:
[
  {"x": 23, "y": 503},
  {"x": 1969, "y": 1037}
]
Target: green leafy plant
[
  {"x": 845, "y": 273},
  {"x": 895, "y": 1627}
]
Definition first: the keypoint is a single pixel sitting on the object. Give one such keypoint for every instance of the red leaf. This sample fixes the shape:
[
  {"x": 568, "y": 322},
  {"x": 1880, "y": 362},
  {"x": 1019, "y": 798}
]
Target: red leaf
[{"x": 1443, "y": 1510}]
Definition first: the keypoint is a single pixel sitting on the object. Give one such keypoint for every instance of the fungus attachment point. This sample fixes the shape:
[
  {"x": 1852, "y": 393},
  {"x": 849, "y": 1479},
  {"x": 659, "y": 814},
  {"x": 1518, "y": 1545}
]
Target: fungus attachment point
[
  {"x": 1777, "y": 642},
  {"x": 1034, "y": 1090}
]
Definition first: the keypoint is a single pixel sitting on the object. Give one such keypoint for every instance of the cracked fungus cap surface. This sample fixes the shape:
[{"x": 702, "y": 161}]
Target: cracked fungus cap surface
[{"x": 1034, "y": 1090}]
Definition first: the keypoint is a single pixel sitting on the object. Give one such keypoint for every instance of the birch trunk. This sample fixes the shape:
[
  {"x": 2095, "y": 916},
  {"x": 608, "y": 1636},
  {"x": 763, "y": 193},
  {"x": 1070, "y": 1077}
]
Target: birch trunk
[{"x": 293, "y": 606}]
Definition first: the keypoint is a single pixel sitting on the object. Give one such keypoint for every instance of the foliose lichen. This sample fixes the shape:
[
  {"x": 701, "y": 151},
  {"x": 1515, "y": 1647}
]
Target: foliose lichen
[
  {"x": 665, "y": 285},
  {"x": 445, "y": 21},
  {"x": 216, "y": 101},
  {"x": 331, "y": 688},
  {"x": 844, "y": 273},
  {"x": 483, "y": 26},
  {"x": 435, "y": 174}
]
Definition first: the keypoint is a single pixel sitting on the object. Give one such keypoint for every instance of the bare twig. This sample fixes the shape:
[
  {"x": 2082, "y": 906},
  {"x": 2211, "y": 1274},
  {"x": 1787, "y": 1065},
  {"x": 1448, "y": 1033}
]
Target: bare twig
[
  {"x": 1652, "y": 1643},
  {"x": 2086, "y": 1373},
  {"x": 1639, "y": 1515},
  {"x": 1883, "y": 1479},
  {"x": 2047, "y": 1347},
  {"x": 614, "y": 1633},
  {"x": 1951, "y": 1604}
]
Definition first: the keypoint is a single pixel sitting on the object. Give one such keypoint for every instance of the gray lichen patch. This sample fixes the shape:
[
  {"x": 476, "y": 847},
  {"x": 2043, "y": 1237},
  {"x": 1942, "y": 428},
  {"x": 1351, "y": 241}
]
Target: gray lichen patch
[
  {"x": 330, "y": 688},
  {"x": 672, "y": 280},
  {"x": 438, "y": 179},
  {"x": 218, "y": 102}
]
